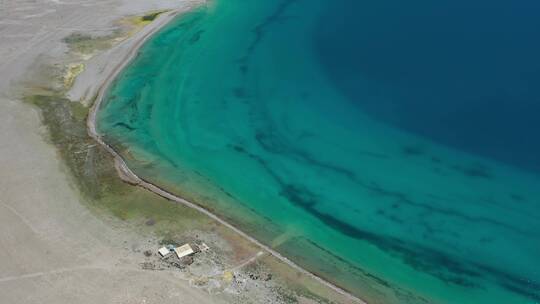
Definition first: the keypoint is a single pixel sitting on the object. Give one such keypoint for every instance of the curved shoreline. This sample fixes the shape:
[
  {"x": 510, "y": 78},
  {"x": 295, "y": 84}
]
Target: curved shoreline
[{"x": 129, "y": 176}]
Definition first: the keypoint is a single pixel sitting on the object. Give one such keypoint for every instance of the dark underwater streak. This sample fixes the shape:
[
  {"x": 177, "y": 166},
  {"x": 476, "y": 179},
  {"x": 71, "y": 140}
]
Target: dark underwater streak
[
  {"x": 416, "y": 255},
  {"x": 275, "y": 144},
  {"x": 259, "y": 30}
]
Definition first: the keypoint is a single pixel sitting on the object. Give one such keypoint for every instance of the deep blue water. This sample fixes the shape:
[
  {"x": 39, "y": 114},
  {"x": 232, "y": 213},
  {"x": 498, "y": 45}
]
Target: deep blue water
[{"x": 462, "y": 73}]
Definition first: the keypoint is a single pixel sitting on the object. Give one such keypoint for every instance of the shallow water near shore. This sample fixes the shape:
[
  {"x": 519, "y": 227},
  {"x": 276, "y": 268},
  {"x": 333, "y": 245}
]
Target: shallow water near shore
[{"x": 350, "y": 137}]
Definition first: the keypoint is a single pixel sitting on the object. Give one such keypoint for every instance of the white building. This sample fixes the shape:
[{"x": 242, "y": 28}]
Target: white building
[
  {"x": 163, "y": 251},
  {"x": 183, "y": 251}
]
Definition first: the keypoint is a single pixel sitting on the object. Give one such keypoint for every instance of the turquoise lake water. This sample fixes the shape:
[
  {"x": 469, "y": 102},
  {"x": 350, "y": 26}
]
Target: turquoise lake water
[{"x": 391, "y": 148}]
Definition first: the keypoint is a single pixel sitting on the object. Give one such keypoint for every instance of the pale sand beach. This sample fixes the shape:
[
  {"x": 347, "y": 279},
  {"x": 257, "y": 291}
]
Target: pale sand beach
[{"x": 54, "y": 248}]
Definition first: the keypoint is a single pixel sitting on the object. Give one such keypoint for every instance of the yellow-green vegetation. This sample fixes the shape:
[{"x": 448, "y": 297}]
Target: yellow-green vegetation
[
  {"x": 72, "y": 71},
  {"x": 95, "y": 176}
]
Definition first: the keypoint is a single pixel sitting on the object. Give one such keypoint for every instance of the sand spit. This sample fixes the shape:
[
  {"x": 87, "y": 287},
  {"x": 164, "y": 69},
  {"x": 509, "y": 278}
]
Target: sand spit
[{"x": 53, "y": 248}]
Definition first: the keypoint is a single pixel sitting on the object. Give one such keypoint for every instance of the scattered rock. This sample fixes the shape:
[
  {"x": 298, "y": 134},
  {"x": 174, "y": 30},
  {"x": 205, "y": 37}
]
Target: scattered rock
[
  {"x": 176, "y": 264},
  {"x": 150, "y": 222},
  {"x": 148, "y": 266},
  {"x": 187, "y": 260}
]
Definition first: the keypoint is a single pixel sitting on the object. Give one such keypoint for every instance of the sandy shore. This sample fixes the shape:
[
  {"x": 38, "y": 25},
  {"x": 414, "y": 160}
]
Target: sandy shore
[{"x": 53, "y": 249}]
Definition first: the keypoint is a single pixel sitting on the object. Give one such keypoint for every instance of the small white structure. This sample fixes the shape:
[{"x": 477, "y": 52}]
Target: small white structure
[
  {"x": 183, "y": 251},
  {"x": 163, "y": 251},
  {"x": 203, "y": 247}
]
